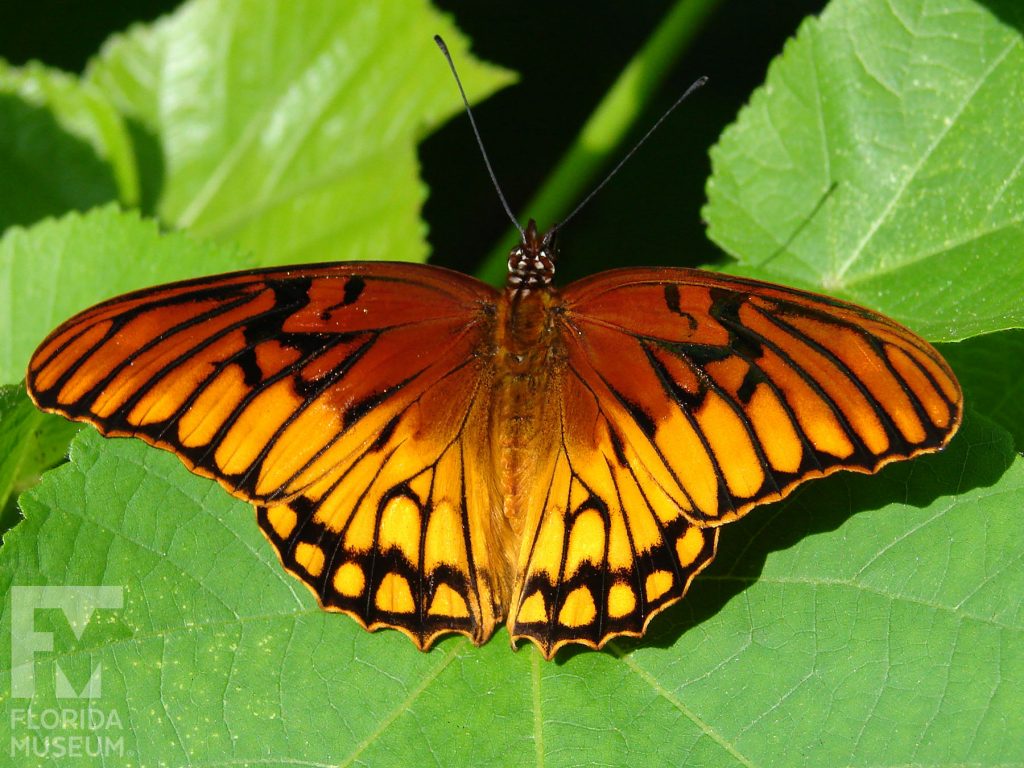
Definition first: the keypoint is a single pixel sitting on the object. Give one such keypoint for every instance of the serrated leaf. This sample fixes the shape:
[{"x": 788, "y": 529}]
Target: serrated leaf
[
  {"x": 30, "y": 442},
  {"x": 63, "y": 146},
  {"x": 56, "y": 268},
  {"x": 881, "y": 162},
  {"x": 861, "y": 602},
  {"x": 290, "y": 127}
]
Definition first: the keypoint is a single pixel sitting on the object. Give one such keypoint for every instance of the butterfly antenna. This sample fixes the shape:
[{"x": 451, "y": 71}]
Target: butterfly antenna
[
  {"x": 693, "y": 87},
  {"x": 479, "y": 141}
]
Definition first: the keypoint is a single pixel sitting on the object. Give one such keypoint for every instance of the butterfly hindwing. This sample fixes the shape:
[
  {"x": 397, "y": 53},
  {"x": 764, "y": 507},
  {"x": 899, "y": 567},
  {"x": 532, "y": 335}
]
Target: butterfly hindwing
[
  {"x": 606, "y": 548},
  {"x": 349, "y": 402},
  {"x": 397, "y": 534}
]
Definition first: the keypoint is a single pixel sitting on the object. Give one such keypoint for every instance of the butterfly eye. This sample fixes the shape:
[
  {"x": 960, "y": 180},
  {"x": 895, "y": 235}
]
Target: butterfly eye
[
  {"x": 516, "y": 257},
  {"x": 544, "y": 264}
]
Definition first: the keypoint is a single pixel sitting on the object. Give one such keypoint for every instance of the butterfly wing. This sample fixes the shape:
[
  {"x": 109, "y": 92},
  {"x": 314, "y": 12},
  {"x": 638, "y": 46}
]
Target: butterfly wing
[
  {"x": 348, "y": 402},
  {"x": 687, "y": 398}
]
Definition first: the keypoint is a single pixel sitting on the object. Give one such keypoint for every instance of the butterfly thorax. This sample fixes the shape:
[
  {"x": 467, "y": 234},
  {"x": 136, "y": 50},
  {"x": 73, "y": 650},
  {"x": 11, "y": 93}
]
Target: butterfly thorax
[{"x": 525, "y": 327}]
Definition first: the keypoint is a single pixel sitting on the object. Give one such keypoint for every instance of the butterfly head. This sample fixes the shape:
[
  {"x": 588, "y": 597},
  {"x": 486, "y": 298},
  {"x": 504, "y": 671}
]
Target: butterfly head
[{"x": 531, "y": 264}]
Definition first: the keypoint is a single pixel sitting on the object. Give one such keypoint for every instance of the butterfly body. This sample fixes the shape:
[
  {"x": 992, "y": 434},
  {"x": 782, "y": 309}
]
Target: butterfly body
[
  {"x": 429, "y": 454},
  {"x": 526, "y": 364}
]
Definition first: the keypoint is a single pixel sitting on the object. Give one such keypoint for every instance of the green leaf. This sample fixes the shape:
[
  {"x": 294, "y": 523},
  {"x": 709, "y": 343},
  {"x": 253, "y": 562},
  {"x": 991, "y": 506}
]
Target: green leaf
[
  {"x": 63, "y": 146},
  {"x": 30, "y": 441},
  {"x": 881, "y": 162},
  {"x": 56, "y": 268},
  {"x": 290, "y": 126},
  {"x": 860, "y": 603}
]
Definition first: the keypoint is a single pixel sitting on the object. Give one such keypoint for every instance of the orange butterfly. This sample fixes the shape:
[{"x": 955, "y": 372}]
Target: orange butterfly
[{"x": 430, "y": 454}]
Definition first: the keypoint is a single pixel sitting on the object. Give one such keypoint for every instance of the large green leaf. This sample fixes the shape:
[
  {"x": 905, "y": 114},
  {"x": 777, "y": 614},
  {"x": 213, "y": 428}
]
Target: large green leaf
[
  {"x": 860, "y": 604},
  {"x": 881, "y": 162},
  {"x": 290, "y": 126}
]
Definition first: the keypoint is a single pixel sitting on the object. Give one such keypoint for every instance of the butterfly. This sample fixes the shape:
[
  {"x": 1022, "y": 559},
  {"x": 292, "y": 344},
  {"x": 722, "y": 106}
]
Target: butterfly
[{"x": 430, "y": 454}]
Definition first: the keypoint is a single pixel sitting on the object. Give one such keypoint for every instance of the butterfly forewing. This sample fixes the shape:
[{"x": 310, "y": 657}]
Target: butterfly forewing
[
  {"x": 731, "y": 391},
  {"x": 349, "y": 402}
]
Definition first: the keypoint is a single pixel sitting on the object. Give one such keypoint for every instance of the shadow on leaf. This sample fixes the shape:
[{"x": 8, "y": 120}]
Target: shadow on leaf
[
  {"x": 990, "y": 369},
  {"x": 149, "y": 155},
  {"x": 44, "y": 170},
  {"x": 1008, "y": 11}
]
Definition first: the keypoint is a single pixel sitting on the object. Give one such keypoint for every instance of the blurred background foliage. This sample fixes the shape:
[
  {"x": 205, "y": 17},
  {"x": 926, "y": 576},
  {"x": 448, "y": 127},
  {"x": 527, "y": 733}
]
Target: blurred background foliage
[{"x": 567, "y": 60}]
